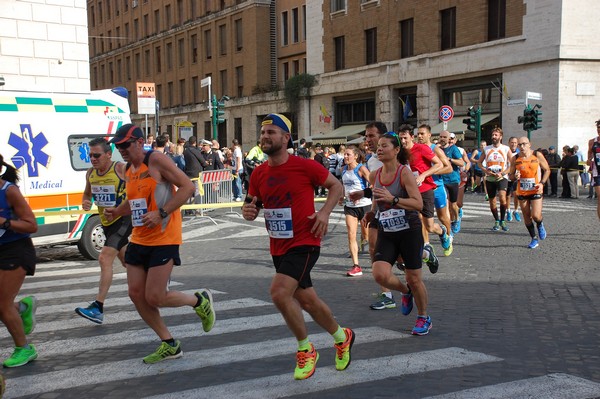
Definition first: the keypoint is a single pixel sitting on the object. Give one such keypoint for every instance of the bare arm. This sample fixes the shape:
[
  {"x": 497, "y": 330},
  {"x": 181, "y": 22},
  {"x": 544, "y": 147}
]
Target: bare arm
[
  {"x": 26, "y": 220},
  {"x": 334, "y": 191},
  {"x": 86, "y": 202},
  {"x": 446, "y": 167}
]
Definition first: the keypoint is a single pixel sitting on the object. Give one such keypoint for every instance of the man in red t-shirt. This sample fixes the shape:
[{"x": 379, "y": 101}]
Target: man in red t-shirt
[
  {"x": 284, "y": 187},
  {"x": 424, "y": 163}
]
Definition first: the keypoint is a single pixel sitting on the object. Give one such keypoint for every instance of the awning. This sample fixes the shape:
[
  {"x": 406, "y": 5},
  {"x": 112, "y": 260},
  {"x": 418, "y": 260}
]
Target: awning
[
  {"x": 341, "y": 135},
  {"x": 456, "y": 125}
]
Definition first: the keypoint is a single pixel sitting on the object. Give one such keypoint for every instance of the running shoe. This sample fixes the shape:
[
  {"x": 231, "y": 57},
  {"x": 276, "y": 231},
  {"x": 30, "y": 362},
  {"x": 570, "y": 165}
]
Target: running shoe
[
  {"x": 28, "y": 315},
  {"x": 406, "y": 304},
  {"x": 422, "y": 326},
  {"x": 455, "y": 226},
  {"x": 92, "y": 313},
  {"x": 496, "y": 226},
  {"x": 432, "y": 261},
  {"x": 533, "y": 244},
  {"x": 460, "y": 213},
  {"x": 355, "y": 271},
  {"x": 306, "y": 362},
  {"x": 164, "y": 352},
  {"x": 448, "y": 251},
  {"x": 205, "y": 310},
  {"x": 504, "y": 225},
  {"x": 21, "y": 356},
  {"x": 517, "y": 216},
  {"x": 383, "y": 302},
  {"x": 342, "y": 351},
  {"x": 509, "y": 217},
  {"x": 445, "y": 238},
  {"x": 542, "y": 231}
]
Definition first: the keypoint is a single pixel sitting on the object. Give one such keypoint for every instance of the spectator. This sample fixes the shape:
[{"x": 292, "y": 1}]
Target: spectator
[
  {"x": 322, "y": 158},
  {"x": 161, "y": 143},
  {"x": 570, "y": 173},
  {"x": 149, "y": 142},
  {"x": 238, "y": 174},
  {"x": 581, "y": 164},
  {"x": 212, "y": 159},
  {"x": 553, "y": 160},
  {"x": 334, "y": 161},
  {"x": 216, "y": 147},
  {"x": 254, "y": 158},
  {"x": 302, "y": 151},
  {"x": 194, "y": 165}
]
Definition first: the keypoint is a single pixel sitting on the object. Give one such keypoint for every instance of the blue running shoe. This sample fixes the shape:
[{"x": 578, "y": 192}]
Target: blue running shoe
[
  {"x": 460, "y": 213},
  {"x": 92, "y": 313},
  {"x": 533, "y": 244},
  {"x": 422, "y": 326},
  {"x": 504, "y": 226},
  {"x": 455, "y": 226},
  {"x": 542, "y": 231},
  {"x": 509, "y": 217},
  {"x": 517, "y": 216},
  {"x": 406, "y": 303},
  {"x": 496, "y": 226},
  {"x": 445, "y": 238}
]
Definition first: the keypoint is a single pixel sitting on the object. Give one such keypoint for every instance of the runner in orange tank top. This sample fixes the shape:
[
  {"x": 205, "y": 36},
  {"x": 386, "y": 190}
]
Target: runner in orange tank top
[
  {"x": 153, "y": 203},
  {"x": 526, "y": 167}
]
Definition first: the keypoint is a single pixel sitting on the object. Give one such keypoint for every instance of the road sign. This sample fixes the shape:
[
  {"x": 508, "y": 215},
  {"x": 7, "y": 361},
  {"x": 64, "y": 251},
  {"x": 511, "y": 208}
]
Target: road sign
[
  {"x": 514, "y": 102},
  {"x": 146, "y": 96},
  {"x": 531, "y": 95},
  {"x": 446, "y": 113}
]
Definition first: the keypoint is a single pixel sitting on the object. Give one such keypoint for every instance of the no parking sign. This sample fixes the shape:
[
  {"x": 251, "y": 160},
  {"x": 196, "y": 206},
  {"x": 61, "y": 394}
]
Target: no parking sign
[{"x": 446, "y": 113}]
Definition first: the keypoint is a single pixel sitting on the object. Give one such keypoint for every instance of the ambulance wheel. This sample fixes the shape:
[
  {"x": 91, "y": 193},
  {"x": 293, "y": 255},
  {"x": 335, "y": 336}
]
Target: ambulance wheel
[{"x": 92, "y": 238}]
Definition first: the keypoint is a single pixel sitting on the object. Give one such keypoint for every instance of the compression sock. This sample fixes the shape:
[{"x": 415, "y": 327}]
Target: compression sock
[{"x": 531, "y": 230}]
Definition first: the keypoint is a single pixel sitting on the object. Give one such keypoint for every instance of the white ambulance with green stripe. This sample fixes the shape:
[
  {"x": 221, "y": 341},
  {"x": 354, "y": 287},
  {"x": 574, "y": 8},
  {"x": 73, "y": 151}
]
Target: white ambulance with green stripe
[{"x": 45, "y": 136}]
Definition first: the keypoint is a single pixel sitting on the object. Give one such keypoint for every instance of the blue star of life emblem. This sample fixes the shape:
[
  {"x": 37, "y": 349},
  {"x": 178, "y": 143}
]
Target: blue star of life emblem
[{"x": 29, "y": 150}]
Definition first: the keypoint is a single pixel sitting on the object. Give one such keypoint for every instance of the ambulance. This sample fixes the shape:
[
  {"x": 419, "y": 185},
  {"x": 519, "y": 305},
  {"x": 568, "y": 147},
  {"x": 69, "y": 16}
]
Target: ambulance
[{"x": 45, "y": 137}]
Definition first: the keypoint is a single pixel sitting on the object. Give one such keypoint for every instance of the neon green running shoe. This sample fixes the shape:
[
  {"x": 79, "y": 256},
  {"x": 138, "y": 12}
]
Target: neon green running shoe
[
  {"x": 306, "y": 362},
  {"x": 205, "y": 310},
  {"x": 342, "y": 351},
  {"x": 21, "y": 356},
  {"x": 164, "y": 352},
  {"x": 28, "y": 315}
]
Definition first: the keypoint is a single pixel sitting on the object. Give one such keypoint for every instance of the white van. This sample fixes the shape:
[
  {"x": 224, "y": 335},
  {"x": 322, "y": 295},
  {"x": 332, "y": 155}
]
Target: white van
[{"x": 45, "y": 136}]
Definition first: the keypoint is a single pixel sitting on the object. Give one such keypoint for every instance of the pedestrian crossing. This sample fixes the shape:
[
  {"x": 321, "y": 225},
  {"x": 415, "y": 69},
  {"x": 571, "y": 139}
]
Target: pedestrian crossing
[{"x": 80, "y": 359}]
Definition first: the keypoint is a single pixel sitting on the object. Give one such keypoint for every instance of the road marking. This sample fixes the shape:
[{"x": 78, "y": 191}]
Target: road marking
[
  {"x": 360, "y": 371},
  {"x": 193, "y": 360},
  {"x": 127, "y": 316},
  {"x": 72, "y": 281},
  {"x": 552, "y": 386},
  {"x": 56, "y": 265}
]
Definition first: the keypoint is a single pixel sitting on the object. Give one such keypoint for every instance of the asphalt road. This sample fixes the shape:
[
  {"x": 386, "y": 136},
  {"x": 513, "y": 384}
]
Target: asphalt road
[{"x": 508, "y": 321}]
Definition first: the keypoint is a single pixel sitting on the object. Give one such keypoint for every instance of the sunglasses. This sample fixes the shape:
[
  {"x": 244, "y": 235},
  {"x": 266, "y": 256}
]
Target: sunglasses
[
  {"x": 125, "y": 145},
  {"x": 392, "y": 135},
  {"x": 94, "y": 155}
]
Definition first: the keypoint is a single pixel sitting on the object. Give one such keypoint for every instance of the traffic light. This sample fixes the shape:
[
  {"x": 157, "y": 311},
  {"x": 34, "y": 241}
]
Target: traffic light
[
  {"x": 531, "y": 118},
  {"x": 537, "y": 117},
  {"x": 473, "y": 121},
  {"x": 218, "y": 109}
]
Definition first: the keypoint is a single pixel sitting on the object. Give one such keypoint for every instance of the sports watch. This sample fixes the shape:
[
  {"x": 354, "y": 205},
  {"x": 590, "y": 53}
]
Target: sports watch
[
  {"x": 395, "y": 201},
  {"x": 163, "y": 213}
]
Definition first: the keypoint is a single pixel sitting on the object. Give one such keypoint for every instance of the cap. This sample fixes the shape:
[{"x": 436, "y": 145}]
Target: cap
[
  {"x": 205, "y": 142},
  {"x": 126, "y": 133},
  {"x": 452, "y": 135},
  {"x": 279, "y": 121},
  {"x": 552, "y": 147}
]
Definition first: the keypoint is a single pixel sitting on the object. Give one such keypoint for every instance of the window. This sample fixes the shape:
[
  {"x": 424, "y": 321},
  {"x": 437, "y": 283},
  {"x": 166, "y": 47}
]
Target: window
[
  {"x": 237, "y": 129},
  {"x": 284, "y": 28},
  {"x": 296, "y": 67},
  {"x": 157, "y": 59},
  {"x": 95, "y": 75},
  {"x": 286, "y": 71},
  {"x": 448, "y": 18},
  {"x": 102, "y": 71},
  {"x": 109, "y": 38},
  {"x": 127, "y": 37},
  {"x": 407, "y": 38},
  {"x": 101, "y": 43},
  {"x": 138, "y": 65},
  {"x": 195, "y": 89},
  {"x": 340, "y": 49},
  {"x": 295, "y": 27},
  {"x": 303, "y": 22},
  {"x": 108, "y": 9},
  {"x": 136, "y": 29},
  {"x": 126, "y": 5},
  {"x": 111, "y": 74},
  {"x": 208, "y": 44},
  {"x": 181, "y": 51},
  {"x": 239, "y": 77},
  {"x": 179, "y": 12},
  {"x": 92, "y": 17},
  {"x": 371, "y": 46},
  {"x": 100, "y": 12},
  {"x": 128, "y": 67},
  {"x": 239, "y": 35},
  {"x": 156, "y": 21},
  {"x": 117, "y": 8},
  {"x": 119, "y": 71},
  {"x": 182, "y": 92},
  {"x": 146, "y": 25},
  {"x": 194, "y": 48},
  {"x": 338, "y": 5},
  {"x": 355, "y": 112},
  {"x": 496, "y": 19},
  {"x": 169, "y": 56},
  {"x": 222, "y": 39},
  {"x": 147, "y": 62},
  {"x": 223, "y": 77},
  {"x": 193, "y": 9},
  {"x": 168, "y": 17},
  {"x": 118, "y": 35},
  {"x": 170, "y": 94}
]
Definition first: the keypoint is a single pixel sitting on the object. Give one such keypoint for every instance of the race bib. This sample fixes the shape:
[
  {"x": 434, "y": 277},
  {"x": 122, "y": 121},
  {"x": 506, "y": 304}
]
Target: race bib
[
  {"x": 393, "y": 220},
  {"x": 527, "y": 184},
  {"x": 139, "y": 208},
  {"x": 104, "y": 196},
  {"x": 279, "y": 222}
]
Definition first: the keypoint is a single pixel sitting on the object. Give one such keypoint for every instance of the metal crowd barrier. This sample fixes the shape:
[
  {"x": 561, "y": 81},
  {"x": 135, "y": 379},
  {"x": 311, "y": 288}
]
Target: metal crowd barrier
[{"x": 216, "y": 188}]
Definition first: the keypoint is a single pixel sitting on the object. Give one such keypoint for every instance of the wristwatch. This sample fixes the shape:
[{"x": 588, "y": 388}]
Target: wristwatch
[
  {"x": 163, "y": 213},
  {"x": 6, "y": 224},
  {"x": 395, "y": 201}
]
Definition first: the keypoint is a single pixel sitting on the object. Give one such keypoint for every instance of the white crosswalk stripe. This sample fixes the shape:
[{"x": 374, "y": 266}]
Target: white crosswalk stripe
[{"x": 69, "y": 336}]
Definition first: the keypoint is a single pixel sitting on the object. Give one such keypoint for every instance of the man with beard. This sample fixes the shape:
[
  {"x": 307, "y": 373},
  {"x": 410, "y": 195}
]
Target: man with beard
[
  {"x": 496, "y": 156},
  {"x": 284, "y": 186}
]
